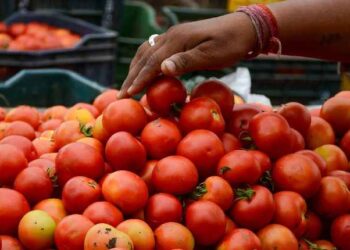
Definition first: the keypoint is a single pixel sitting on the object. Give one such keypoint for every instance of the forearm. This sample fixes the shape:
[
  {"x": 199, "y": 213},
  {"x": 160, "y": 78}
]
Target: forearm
[{"x": 314, "y": 28}]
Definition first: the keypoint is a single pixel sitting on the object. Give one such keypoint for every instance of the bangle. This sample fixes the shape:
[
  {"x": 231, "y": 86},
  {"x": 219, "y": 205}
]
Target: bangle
[{"x": 265, "y": 25}]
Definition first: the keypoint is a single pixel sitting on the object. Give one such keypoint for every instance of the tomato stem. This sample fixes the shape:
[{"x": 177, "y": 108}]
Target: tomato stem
[
  {"x": 200, "y": 190},
  {"x": 266, "y": 181},
  {"x": 313, "y": 246},
  {"x": 224, "y": 169},
  {"x": 244, "y": 194},
  {"x": 87, "y": 130}
]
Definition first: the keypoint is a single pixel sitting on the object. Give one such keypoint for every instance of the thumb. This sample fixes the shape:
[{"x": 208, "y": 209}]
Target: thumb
[{"x": 184, "y": 62}]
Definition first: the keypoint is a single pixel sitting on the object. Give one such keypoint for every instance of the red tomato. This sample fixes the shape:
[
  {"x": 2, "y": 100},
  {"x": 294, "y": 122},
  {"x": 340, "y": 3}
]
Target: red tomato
[
  {"x": 230, "y": 142},
  {"x": 160, "y": 138},
  {"x": 343, "y": 175},
  {"x": 34, "y": 183},
  {"x": 319, "y": 133},
  {"x": 2, "y": 114},
  {"x": 271, "y": 134},
  {"x": 23, "y": 144},
  {"x": 206, "y": 221},
  {"x": 103, "y": 100},
  {"x": 344, "y": 93},
  {"x": 334, "y": 157},
  {"x": 253, "y": 208},
  {"x": 340, "y": 232},
  {"x": 55, "y": 112},
  {"x": 297, "y": 115},
  {"x": 175, "y": 175},
  {"x": 54, "y": 207},
  {"x": 151, "y": 116},
  {"x": 13, "y": 206},
  {"x": 124, "y": 115},
  {"x": 12, "y": 162},
  {"x": 125, "y": 152},
  {"x": 17, "y": 29},
  {"x": 162, "y": 208},
  {"x": 315, "y": 112},
  {"x": 345, "y": 144},
  {"x": 319, "y": 244},
  {"x": 78, "y": 159},
  {"x": 165, "y": 95},
  {"x": 298, "y": 141},
  {"x": 126, "y": 190},
  {"x": 26, "y": 114},
  {"x": 332, "y": 199},
  {"x": 239, "y": 167},
  {"x": 215, "y": 189},
  {"x": 104, "y": 212},
  {"x": 240, "y": 239},
  {"x": 47, "y": 165},
  {"x": 68, "y": 132},
  {"x": 50, "y": 156},
  {"x": 96, "y": 144},
  {"x": 333, "y": 111},
  {"x": 173, "y": 235},
  {"x": 263, "y": 160},
  {"x": 70, "y": 232},
  {"x": 146, "y": 174},
  {"x": 140, "y": 233},
  {"x": 217, "y": 91},
  {"x": 80, "y": 192},
  {"x": 51, "y": 124},
  {"x": 275, "y": 236},
  {"x": 316, "y": 158},
  {"x": 230, "y": 226},
  {"x": 297, "y": 173},
  {"x": 20, "y": 128},
  {"x": 10, "y": 243},
  {"x": 314, "y": 226},
  {"x": 204, "y": 149},
  {"x": 290, "y": 210},
  {"x": 202, "y": 113},
  {"x": 93, "y": 110}
]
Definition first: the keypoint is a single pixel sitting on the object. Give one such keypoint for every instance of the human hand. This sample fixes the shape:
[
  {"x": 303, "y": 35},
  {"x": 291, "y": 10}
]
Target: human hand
[{"x": 203, "y": 45}]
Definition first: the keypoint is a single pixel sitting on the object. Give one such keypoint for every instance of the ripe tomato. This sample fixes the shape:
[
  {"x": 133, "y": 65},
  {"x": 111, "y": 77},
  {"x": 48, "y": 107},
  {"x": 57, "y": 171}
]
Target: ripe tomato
[
  {"x": 314, "y": 226},
  {"x": 240, "y": 239},
  {"x": 71, "y": 231},
  {"x": 206, "y": 221},
  {"x": 253, "y": 208},
  {"x": 13, "y": 206},
  {"x": 17, "y": 29},
  {"x": 275, "y": 236},
  {"x": 165, "y": 95},
  {"x": 230, "y": 225},
  {"x": 239, "y": 167},
  {"x": 3, "y": 127},
  {"x": 96, "y": 144},
  {"x": 89, "y": 162},
  {"x": 319, "y": 244},
  {"x": 319, "y": 133},
  {"x": 215, "y": 189},
  {"x": 173, "y": 235},
  {"x": 297, "y": 116},
  {"x": 290, "y": 210},
  {"x": 162, "y": 208},
  {"x": 34, "y": 183},
  {"x": 92, "y": 109},
  {"x": 343, "y": 175},
  {"x": 230, "y": 142},
  {"x": 263, "y": 160},
  {"x": 124, "y": 115},
  {"x": 103, "y": 100},
  {"x": 334, "y": 157},
  {"x": 54, "y": 207},
  {"x": 217, "y": 91},
  {"x": 50, "y": 156},
  {"x": 51, "y": 124},
  {"x": 151, "y": 116},
  {"x": 139, "y": 232},
  {"x": 146, "y": 174},
  {"x": 99, "y": 132},
  {"x": 104, "y": 212},
  {"x": 70, "y": 131},
  {"x": 315, "y": 112},
  {"x": 295, "y": 172},
  {"x": 125, "y": 152},
  {"x": 340, "y": 232},
  {"x": 175, "y": 175},
  {"x": 23, "y": 144},
  {"x": 345, "y": 144},
  {"x": 332, "y": 199},
  {"x": 104, "y": 237},
  {"x": 82, "y": 115},
  {"x": 333, "y": 111},
  {"x": 160, "y": 138},
  {"x": 26, "y": 114},
  {"x": 36, "y": 230},
  {"x": 126, "y": 190},
  {"x": 343, "y": 93},
  {"x": 298, "y": 141},
  {"x": 12, "y": 162},
  {"x": 20, "y": 128},
  {"x": 80, "y": 192},
  {"x": 47, "y": 165},
  {"x": 55, "y": 112},
  {"x": 10, "y": 243},
  {"x": 202, "y": 113},
  {"x": 316, "y": 158},
  {"x": 271, "y": 134},
  {"x": 204, "y": 148}
]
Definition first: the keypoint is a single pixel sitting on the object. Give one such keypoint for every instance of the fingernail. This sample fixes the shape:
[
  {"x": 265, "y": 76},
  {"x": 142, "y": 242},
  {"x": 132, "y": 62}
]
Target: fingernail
[
  {"x": 130, "y": 90},
  {"x": 170, "y": 66}
]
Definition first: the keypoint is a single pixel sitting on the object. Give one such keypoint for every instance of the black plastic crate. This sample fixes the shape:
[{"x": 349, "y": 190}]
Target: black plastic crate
[{"x": 93, "y": 57}]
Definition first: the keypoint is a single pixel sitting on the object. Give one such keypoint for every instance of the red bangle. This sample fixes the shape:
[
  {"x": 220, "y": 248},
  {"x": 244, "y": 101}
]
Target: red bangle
[{"x": 266, "y": 28}]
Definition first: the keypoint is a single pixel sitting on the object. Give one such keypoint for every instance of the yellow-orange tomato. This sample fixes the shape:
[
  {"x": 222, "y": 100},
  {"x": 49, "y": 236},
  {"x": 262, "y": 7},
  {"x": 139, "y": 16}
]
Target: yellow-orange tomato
[
  {"x": 54, "y": 207},
  {"x": 83, "y": 116}
]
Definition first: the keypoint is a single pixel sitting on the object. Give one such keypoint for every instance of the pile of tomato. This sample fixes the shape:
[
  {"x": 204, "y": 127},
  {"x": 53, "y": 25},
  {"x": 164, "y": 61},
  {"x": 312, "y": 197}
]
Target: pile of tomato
[
  {"x": 176, "y": 170},
  {"x": 35, "y": 36}
]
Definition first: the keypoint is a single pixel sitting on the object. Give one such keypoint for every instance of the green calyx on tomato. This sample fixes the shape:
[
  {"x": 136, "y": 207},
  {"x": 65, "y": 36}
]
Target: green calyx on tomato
[
  {"x": 200, "y": 190},
  {"x": 87, "y": 130},
  {"x": 244, "y": 194},
  {"x": 314, "y": 246},
  {"x": 224, "y": 170},
  {"x": 266, "y": 181},
  {"x": 176, "y": 108}
]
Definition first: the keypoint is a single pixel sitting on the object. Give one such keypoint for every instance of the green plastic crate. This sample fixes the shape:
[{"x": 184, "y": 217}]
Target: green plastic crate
[{"x": 47, "y": 87}]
